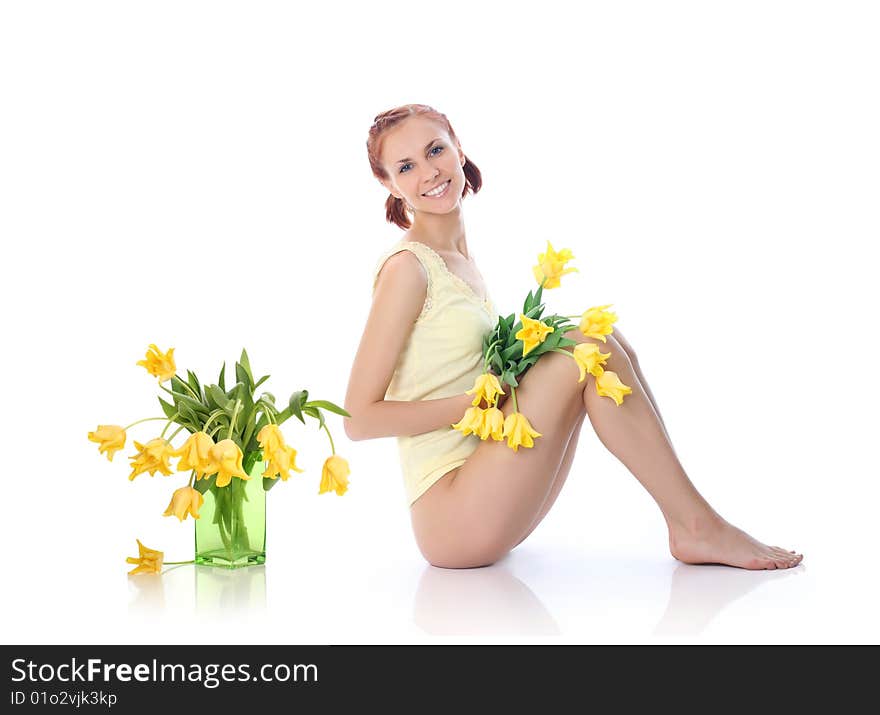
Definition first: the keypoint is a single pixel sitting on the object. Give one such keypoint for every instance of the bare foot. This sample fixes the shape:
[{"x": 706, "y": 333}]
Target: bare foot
[{"x": 717, "y": 541}]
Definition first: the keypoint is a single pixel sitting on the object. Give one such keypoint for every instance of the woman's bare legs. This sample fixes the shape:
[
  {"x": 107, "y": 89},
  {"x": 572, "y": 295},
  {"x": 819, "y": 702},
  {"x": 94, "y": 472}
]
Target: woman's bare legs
[
  {"x": 634, "y": 433},
  {"x": 565, "y": 467},
  {"x": 477, "y": 513},
  {"x": 561, "y": 475},
  {"x": 487, "y": 505}
]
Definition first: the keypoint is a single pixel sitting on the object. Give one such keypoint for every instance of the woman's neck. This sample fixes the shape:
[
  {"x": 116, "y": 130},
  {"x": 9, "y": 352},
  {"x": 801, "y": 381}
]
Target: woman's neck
[{"x": 442, "y": 233}]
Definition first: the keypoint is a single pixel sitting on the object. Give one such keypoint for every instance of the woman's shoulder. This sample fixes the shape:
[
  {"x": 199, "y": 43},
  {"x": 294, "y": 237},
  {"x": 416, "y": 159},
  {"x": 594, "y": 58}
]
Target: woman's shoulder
[{"x": 421, "y": 252}]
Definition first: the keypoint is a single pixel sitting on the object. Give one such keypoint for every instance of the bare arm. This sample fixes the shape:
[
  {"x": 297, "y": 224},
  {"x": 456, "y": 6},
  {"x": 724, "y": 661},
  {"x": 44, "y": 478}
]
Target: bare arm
[{"x": 400, "y": 293}]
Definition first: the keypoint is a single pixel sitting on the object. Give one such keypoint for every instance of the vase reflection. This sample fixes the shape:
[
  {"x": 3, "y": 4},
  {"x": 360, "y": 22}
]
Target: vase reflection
[{"x": 228, "y": 589}]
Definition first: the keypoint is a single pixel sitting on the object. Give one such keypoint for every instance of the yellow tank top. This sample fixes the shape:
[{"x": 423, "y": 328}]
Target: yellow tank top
[{"x": 442, "y": 358}]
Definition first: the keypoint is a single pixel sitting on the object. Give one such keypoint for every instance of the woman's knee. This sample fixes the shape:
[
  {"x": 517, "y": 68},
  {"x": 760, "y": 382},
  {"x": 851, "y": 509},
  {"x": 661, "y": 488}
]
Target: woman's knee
[
  {"x": 624, "y": 343},
  {"x": 619, "y": 357}
]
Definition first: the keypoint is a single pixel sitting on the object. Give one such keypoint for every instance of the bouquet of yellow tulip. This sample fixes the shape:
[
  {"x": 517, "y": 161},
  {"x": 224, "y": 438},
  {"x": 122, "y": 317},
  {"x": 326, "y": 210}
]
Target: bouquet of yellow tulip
[
  {"x": 512, "y": 348},
  {"x": 234, "y": 437}
]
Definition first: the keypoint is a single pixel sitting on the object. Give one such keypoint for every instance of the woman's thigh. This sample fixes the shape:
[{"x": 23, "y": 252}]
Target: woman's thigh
[
  {"x": 480, "y": 510},
  {"x": 484, "y": 506}
]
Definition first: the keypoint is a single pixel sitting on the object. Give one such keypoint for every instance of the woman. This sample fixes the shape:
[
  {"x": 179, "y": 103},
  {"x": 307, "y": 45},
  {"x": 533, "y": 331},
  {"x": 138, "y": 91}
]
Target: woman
[{"x": 472, "y": 500}]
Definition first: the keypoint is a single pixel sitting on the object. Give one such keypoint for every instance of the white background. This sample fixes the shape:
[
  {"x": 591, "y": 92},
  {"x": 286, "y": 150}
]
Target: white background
[{"x": 194, "y": 174}]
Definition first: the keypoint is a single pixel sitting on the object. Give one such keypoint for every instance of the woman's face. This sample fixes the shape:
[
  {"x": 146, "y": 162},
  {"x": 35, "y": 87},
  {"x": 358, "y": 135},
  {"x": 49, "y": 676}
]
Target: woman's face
[{"x": 419, "y": 156}]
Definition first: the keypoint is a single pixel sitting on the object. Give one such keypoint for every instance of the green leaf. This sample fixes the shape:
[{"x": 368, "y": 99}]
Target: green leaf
[
  {"x": 180, "y": 386},
  {"x": 508, "y": 378},
  {"x": 261, "y": 381},
  {"x": 297, "y": 399},
  {"x": 327, "y": 406},
  {"x": 496, "y": 361},
  {"x": 538, "y": 293},
  {"x": 195, "y": 404},
  {"x": 512, "y": 350},
  {"x": 237, "y": 392},
  {"x": 246, "y": 364},
  {"x": 528, "y": 303},
  {"x": 222, "y": 379},
  {"x": 168, "y": 409},
  {"x": 242, "y": 376},
  {"x": 250, "y": 459},
  {"x": 268, "y": 396},
  {"x": 193, "y": 381},
  {"x": 187, "y": 413},
  {"x": 247, "y": 406},
  {"x": 203, "y": 485},
  {"x": 217, "y": 394},
  {"x": 316, "y": 413},
  {"x": 269, "y": 483}
]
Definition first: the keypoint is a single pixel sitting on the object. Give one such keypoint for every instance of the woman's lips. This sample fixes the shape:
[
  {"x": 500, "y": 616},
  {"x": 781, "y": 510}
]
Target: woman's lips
[{"x": 442, "y": 193}]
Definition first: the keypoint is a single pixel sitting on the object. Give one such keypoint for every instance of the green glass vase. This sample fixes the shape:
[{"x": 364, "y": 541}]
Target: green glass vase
[{"x": 231, "y": 528}]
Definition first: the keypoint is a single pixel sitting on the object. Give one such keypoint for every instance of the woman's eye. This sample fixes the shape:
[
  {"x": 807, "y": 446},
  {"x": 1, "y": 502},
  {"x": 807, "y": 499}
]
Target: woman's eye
[{"x": 432, "y": 149}]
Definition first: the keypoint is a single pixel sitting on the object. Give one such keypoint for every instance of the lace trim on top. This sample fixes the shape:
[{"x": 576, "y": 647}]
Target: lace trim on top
[
  {"x": 426, "y": 308},
  {"x": 460, "y": 282}
]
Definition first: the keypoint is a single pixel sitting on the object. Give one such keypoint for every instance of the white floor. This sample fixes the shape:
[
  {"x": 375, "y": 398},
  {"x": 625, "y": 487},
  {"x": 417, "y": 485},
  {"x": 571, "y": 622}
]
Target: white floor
[{"x": 347, "y": 570}]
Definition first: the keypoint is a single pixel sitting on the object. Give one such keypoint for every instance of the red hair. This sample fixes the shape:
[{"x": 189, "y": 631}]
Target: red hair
[{"x": 395, "y": 209}]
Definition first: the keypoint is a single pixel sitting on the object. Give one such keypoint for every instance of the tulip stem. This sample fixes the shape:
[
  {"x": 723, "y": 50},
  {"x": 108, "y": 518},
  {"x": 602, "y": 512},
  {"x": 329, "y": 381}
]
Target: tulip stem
[
  {"x": 145, "y": 419},
  {"x": 191, "y": 391},
  {"x": 513, "y": 395},
  {"x": 332, "y": 448},
  {"x": 170, "y": 420},
  {"x": 488, "y": 354},
  {"x": 235, "y": 411},
  {"x": 171, "y": 563}
]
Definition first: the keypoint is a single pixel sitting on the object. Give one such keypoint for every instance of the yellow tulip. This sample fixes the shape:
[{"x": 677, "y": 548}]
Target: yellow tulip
[
  {"x": 281, "y": 457},
  {"x": 194, "y": 453},
  {"x": 185, "y": 500},
  {"x": 224, "y": 459},
  {"x": 596, "y": 322},
  {"x": 281, "y": 461},
  {"x": 532, "y": 333},
  {"x": 270, "y": 438},
  {"x": 162, "y": 366},
  {"x": 589, "y": 359},
  {"x": 518, "y": 431},
  {"x": 493, "y": 424},
  {"x": 151, "y": 457},
  {"x": 471, "y": 422},
  {"x": 551, "y": 265},
  {"x": 609, "y": 385},
  {"x": 334, "y": 475},
  {"x": 148, "y": 560},
  {"x": 486, "y": 387},
  {"x": 110, "y": 437}
]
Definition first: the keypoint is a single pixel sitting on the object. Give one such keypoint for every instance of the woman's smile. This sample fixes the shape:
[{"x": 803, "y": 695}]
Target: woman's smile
[{"x": 433, "y": 194}]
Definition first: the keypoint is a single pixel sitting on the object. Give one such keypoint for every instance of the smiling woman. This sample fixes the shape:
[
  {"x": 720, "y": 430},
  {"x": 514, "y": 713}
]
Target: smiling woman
[{"x": 472, "y": 501}]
